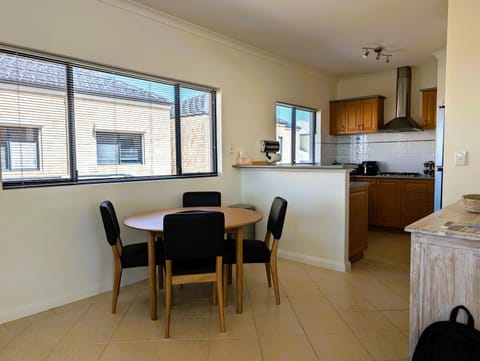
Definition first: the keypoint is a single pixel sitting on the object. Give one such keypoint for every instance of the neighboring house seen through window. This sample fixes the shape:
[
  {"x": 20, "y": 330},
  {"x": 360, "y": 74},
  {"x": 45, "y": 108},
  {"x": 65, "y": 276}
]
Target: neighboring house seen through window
[
  {"x": 19, "y": 149},
  {"x": 295, "y": 128},
  {"x": 99, "y": 124},
  {"x": 118, "y": 148}
]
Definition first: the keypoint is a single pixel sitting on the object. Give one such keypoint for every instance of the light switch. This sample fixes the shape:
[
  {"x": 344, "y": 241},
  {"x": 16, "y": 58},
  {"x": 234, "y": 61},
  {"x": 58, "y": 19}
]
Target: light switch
[{"x": 461, "y": 158}]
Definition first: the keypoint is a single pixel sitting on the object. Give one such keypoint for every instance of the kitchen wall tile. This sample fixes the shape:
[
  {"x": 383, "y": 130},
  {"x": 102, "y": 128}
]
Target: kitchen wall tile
[{"x": 396, "y": 152}]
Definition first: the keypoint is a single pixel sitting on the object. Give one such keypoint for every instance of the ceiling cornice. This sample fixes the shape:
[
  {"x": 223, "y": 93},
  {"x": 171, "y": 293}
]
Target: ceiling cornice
[{"x": 166, "y": 19}]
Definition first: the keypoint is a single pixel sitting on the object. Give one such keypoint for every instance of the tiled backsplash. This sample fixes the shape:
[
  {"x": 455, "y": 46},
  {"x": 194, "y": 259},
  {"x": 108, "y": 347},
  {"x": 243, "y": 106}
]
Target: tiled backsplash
[{"x": 396, "y": 152}]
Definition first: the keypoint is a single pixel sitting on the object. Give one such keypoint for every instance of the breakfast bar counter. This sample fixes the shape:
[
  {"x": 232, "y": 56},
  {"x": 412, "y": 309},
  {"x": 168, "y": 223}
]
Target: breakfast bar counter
[{"x": 444, "y": 267}]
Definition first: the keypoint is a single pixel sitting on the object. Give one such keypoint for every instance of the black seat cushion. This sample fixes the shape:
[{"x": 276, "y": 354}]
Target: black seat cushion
[
  {"x": 136, "y": 255},
  {"x": 185, "y": 267},
  {"x": 254, "y": 251}
]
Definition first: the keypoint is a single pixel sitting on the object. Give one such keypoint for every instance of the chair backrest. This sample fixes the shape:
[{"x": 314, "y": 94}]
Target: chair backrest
[
  {"x": 276, "y": 218},
  {"x": 193, "y": 235},
  {"x": 199, "y": 199},
  {"x": 110, "y": 222}
]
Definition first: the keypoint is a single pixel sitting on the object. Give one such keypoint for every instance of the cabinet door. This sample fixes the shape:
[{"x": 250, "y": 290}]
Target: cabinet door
[
  {"x": 388, "y": 202},
  {"x": 353, "y": 116},
  {"x": 369, "y": 115},
  {"x": 358, "y": 225},
  {"x": 337, "y": 118},
  {"x": 429, "y": 109}
]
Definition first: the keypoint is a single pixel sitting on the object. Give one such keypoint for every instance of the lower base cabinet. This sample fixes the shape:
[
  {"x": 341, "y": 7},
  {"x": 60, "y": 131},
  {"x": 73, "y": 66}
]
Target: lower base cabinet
[
  {"x": 396, "y": 203},
  {"x": 358, "y": 225}
]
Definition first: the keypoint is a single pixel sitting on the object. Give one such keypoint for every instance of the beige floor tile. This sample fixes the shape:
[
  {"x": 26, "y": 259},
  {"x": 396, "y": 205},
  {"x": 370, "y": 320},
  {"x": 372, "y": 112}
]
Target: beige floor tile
[
  {"x": 271, "y": 325},
  {"x": 138, "y": 330},
  {"x": 196, "y": 327},
  {"x": 71, "y": 312},
  {"x": 287, "y": 348},
  {"x": 323, "y": 315},
  {"x": 299, "y": 284},
  {"x": 141, "y": 311},
  {"x": 235, "y": 326},
  {"x": 27, "y": 353},
  {"x": 339, "y": 347},
  {"x": 399, "y": 318},
  {"x": 391, "y": 345},
  {"x": 271, "y": 308},
  {"x": 91, "y": 332},
  {"x": 234, "y": 349},
  {"x": 42, "y": 334},
  {"x": 354, "y": 302},
  {"x": 79, "y": 352},
  {"x": 366, "y": 321},
  {"x": 315, "y": 322},
  {"x": 386, "y": 301},
  {"x": 8, "y": 334},
  {"x": 131, "y": 351},
  {"x": 191, "y": 308},
  {"x": 188, "y": 350},
  {"x": 101, "y": 311},
  {"x": 306, "y": 304}
]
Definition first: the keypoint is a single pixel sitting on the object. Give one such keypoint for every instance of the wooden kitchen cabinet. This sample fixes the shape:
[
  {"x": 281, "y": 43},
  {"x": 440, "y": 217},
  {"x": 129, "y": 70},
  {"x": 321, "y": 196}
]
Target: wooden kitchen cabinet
[
  {"x": 359, "y": 115},
  {"x": 358, "y": 224},
  {"x": 337, "y": 118},
  {"x": 397, "y": 202},
  {"x": 388, "y": 200},
  {"x": 429, "y": 108},
  {"x": 417, "y": 200}
]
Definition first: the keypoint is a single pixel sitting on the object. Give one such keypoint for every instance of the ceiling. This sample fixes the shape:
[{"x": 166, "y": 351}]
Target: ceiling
[{"x": 327, "y": 35}]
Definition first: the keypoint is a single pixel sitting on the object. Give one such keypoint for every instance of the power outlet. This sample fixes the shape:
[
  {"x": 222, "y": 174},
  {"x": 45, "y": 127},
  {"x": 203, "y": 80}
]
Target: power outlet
[{"x": 460, "y": 158}]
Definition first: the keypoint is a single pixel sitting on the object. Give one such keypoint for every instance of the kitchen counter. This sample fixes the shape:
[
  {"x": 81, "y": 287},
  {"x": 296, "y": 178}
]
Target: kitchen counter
[
  {"x": 294, "y": 166},
  {"x": 444, "y": 268},
  {"x": 423, "y": 177}
]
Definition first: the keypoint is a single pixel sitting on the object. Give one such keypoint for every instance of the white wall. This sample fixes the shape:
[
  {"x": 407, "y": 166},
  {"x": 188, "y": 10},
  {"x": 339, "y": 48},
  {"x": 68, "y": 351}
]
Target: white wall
[
  {"x": 316, "y": 225},
  {"x": 52, "y": 245},
  {"x": 462, "y": 100}
]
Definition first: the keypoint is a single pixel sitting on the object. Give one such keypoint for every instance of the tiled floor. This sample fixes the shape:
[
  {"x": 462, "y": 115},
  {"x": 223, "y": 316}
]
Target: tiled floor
[{"x": 324, "y": 315}]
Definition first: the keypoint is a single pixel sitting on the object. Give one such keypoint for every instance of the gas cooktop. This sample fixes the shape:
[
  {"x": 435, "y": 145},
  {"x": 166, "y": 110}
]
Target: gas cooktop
[{"x": 400, "y": 174}]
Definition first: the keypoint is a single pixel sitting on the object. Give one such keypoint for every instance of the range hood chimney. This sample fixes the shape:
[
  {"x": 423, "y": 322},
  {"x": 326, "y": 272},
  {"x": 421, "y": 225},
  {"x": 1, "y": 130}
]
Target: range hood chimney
[{"x": 403, "y": 122}]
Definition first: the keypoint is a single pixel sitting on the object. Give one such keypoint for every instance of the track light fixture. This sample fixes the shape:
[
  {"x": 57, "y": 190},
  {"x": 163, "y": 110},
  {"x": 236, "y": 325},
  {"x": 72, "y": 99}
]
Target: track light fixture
[{"x": 378, "y": 51}]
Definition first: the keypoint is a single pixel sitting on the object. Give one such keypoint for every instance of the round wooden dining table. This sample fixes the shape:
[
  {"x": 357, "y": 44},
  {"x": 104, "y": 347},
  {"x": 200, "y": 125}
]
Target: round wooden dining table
[{"x": 152, "y": 223}]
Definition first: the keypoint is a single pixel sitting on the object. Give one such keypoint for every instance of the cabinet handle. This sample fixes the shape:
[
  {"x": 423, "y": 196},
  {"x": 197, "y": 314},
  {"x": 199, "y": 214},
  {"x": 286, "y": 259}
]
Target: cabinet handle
[{"x": 363, "y": 127}]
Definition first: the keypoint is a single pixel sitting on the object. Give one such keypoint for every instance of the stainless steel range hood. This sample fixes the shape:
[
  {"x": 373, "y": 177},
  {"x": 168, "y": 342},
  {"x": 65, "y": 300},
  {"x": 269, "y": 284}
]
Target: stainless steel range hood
[{"x": 403, "y": 122}]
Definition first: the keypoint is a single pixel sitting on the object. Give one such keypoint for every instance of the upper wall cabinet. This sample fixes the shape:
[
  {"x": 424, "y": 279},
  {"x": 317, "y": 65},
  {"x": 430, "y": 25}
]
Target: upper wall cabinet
[
  {"x": 429, "y": 108},
  {"x": 359, "y": 115}
]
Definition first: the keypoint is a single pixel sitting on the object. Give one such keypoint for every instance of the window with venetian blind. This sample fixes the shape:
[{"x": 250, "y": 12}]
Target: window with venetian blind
[{"x": 64, "y": 122}]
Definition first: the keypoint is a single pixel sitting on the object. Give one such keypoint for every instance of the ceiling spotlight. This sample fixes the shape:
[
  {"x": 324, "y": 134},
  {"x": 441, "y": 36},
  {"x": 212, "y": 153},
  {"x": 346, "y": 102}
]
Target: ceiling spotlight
[{"x": 378, "y": 50}]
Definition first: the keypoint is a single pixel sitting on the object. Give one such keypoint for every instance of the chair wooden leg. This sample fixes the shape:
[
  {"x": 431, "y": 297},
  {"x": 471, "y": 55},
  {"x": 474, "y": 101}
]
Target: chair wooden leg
[
  {"x": 273, "y": 264},
  {"x": 214, "y": 294},
  {"x": 219, "y": 283},
  {"x": 224, "y": 284},
  {"x": 117, "y": 278},
  {"x": 168, "y": 296},
  {"x": 269, "y": 278}
]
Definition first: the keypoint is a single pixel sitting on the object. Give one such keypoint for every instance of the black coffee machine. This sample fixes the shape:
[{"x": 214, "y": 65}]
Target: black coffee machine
[{"x": 368, "y": 167}]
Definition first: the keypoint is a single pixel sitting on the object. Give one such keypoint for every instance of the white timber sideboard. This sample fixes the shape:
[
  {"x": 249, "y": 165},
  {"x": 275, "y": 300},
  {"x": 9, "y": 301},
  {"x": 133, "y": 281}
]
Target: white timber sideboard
[{"x": 444, "y": 269}]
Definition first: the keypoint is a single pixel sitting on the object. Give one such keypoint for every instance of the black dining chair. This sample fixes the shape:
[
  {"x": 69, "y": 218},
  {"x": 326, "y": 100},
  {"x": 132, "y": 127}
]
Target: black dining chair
[
  {"x": 125, "y": 256},
  {"x": 257, "y": 251},
  {"x": 202, "y": 198},
  {"x": 193, "y": 244}
]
